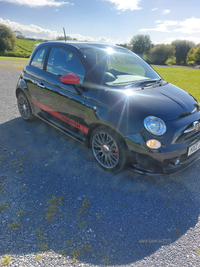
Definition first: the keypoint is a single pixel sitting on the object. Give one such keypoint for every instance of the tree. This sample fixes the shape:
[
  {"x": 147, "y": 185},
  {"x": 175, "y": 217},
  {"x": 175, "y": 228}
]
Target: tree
[
  {"x": 160, "y": 53},
  {"x": 141, "y": 44},
  {"x": 197, "y": 55},
  {"x": 190, "y": 60},
  {"x": 7, "y": 38},
  {"x": 19, "y": 35},
  {"x": 125, "y": 45},
  {"x": 182, "y": 48},
  {"x": 63, "y": 38}
]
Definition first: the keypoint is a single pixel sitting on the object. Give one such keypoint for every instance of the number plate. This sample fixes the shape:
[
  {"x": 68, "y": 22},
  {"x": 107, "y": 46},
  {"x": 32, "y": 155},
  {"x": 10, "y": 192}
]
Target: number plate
[{"x": 194, "y": 148}]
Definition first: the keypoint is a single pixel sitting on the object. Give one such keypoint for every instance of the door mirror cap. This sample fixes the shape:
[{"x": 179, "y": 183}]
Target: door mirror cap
[{"x": 70, "y": 78}]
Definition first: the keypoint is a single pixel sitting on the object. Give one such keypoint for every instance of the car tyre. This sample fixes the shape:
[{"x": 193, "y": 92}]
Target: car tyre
[
  {"x": 109, "y": 149},
  {"x": 24, "y": 107}
]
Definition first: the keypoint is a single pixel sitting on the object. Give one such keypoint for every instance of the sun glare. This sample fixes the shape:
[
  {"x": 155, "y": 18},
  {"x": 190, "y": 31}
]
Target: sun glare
[{"x": 110, "y": 50}]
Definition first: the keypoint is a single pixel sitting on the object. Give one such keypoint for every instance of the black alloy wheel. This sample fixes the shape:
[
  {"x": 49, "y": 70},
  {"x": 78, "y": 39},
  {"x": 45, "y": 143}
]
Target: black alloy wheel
[
  {"x": 108, "y": 149},
  {"x": 24, "y": 107}
]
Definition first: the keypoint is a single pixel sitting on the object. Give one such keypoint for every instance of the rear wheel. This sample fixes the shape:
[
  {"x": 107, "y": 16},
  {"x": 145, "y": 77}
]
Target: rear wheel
[
  {"x": 108, "y": 149},
  {"x": 24, "y": 107}
]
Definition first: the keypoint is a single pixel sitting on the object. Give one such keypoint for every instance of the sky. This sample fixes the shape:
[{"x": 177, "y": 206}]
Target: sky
[{"x": 111, "y": 21}]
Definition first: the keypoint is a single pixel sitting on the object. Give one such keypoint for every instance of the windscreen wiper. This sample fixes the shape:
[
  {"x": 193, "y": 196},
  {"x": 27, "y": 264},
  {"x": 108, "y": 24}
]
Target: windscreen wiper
[
  {"x": 152, "y": 82},
  {"x": 147, "y": 83}
]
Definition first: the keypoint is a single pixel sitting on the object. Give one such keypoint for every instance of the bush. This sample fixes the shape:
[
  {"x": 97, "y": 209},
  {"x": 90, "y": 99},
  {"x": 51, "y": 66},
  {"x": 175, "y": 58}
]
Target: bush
[
  {"x": 197, "y": 55},
  {"x": 7, "y": 39},
  {"x": 15, "y": 54},
  {"x": 190, "y": 56},
  {"x": 171, "y": 61},
  {"x": 159, "y": 54},
  {"x": 182, "y": 48}
]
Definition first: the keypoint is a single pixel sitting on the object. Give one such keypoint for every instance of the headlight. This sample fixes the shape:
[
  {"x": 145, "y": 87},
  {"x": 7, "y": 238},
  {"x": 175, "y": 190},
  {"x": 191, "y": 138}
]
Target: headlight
[{"x": 155, "y": 125}]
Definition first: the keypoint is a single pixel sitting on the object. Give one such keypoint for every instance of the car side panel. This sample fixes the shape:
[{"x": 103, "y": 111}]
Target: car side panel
[
  {"x": 60, "y": 103},
  {"x": 99, "y": 111},
  {"x": 28, "y": 82}
]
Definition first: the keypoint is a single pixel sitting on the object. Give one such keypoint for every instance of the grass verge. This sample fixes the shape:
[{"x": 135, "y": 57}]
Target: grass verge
[
  {"x": 14, "y": 58},
  {"x": 186, "y": 79}
]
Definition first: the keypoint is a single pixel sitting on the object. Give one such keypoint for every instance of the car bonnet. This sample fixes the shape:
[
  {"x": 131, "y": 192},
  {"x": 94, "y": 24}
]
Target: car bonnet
[{"x": 167, "y": 102}]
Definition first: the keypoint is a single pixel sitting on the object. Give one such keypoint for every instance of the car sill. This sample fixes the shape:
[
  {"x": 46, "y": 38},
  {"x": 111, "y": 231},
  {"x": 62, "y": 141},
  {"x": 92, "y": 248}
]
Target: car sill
[{"x": 62, "y": 128}]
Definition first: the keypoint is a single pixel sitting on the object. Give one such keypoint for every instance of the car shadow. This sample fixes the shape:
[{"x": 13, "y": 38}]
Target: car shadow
[{"x": 70, "y": 206}]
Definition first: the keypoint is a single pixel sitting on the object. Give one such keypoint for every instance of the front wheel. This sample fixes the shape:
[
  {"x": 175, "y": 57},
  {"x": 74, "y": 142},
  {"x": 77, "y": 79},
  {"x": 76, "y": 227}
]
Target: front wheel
[
  {"x": 108, "y": 148},
  {"x": 24, "y": 107}
]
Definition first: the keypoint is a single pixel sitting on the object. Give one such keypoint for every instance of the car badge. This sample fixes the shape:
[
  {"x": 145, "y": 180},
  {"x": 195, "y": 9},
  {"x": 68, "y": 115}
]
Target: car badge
[{"x": 196, "y": 126}]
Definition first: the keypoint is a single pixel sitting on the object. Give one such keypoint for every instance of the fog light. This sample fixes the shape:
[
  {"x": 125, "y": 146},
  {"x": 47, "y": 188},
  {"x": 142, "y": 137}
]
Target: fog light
[{"x": 153, "y": 144}]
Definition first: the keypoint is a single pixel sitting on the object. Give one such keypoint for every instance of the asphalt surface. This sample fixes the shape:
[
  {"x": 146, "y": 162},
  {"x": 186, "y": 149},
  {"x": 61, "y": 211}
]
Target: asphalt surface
[{"x": 70, "y": 212}]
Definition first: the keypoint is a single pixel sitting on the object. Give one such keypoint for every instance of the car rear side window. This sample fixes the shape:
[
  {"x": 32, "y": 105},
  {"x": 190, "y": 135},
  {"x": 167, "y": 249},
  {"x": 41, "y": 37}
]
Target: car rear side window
[
  {"x": 38, "y": 59},
  {"x": 62, "y": 61}
]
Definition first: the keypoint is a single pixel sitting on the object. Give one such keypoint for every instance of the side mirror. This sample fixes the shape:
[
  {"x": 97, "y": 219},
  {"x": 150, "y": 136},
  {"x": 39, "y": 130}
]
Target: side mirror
[{"x": 70, "y": 78}]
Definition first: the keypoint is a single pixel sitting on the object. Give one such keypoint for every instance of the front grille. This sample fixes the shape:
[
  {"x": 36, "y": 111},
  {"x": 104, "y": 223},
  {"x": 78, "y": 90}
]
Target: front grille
[{"x": 186, "y": 134}]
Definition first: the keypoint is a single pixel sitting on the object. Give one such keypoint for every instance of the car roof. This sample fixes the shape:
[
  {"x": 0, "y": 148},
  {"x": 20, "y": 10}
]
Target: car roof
[{"x": 82, "y": 44}]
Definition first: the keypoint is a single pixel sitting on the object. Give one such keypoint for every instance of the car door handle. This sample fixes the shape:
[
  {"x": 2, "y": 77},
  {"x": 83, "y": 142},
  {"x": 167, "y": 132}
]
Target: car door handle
[{"x": 41, "y": 85}]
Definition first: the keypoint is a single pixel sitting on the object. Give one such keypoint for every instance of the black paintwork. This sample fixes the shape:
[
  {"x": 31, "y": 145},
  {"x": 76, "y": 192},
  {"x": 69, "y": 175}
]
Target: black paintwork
[
  {"x": 155, "y": 101},
  {"x": 122, "y": 110}
]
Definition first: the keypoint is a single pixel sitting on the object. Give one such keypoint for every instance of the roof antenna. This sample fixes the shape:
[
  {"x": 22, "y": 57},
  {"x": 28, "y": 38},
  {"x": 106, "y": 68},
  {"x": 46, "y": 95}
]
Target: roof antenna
[{"x": 64, "y": 34}]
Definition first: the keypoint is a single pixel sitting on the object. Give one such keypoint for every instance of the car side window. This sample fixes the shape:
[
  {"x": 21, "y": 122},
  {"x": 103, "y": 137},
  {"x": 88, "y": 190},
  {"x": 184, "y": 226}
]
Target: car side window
[
  {"x": 38, "y": 59},
  {"x": 62, "y": 61}
]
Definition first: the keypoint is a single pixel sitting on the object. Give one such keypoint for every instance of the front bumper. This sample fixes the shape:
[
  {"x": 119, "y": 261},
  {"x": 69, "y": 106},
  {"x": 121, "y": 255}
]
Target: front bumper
[
  {"x": 146, "y": 165},
  {"x": 169, "y": 159}
]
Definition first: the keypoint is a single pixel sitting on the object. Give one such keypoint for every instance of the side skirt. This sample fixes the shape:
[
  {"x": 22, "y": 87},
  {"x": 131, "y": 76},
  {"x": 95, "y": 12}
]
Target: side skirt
[{"x": 63, "y": 129}]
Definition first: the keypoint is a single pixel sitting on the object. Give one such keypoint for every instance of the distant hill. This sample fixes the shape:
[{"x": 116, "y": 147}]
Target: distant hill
[{"x": 23, "y": 48}]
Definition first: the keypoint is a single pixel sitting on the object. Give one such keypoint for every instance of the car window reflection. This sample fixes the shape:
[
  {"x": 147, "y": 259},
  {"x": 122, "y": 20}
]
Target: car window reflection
[
  {"x": 62, "y": 61},
  {"x": 38, "y": 59}
]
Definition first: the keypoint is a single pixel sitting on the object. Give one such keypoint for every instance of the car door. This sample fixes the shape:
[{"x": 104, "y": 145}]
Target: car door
[
  {"x": 60, "y": 103},
  {"x": 32, "y": 71}
]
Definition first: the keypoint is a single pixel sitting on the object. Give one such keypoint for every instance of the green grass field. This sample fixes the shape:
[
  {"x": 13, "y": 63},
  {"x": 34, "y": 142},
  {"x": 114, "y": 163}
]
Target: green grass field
[
  {"x": 23, "y": 48},
  {"x": 14, "y": 58},
  {"x": 187, "y": 79}
]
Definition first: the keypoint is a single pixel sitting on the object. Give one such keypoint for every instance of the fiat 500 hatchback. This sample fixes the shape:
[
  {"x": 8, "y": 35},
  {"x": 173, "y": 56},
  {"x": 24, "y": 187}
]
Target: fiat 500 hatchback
[{"x": 111, "y": 100}]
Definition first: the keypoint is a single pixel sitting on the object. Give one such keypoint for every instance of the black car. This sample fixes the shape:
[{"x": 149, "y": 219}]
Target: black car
[{"x": 111, "y": 100}]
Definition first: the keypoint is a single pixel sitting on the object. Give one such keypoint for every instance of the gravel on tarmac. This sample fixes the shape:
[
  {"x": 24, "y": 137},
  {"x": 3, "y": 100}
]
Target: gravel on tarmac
[{"x": 59, "y": 208}]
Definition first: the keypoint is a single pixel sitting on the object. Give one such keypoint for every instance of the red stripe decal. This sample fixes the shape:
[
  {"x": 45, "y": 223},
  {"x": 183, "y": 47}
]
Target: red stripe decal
[{"x": 62, "y": 117}]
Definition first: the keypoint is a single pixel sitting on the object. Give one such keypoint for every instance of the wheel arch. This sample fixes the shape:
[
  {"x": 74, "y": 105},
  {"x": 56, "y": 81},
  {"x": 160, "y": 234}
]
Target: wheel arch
[{"x": 19, "y": 90}]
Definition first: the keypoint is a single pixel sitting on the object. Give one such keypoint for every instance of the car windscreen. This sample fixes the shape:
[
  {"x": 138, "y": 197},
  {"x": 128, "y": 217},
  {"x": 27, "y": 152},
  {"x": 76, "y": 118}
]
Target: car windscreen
[{"x": 119, "y": 67}]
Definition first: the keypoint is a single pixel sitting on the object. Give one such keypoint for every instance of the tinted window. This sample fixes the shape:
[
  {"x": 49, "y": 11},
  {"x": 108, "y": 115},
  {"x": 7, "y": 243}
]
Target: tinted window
[
  {"x": 38, "y": 59},
  {"x": 119, "y": 67},
  {"x": 62, "y": 61}
]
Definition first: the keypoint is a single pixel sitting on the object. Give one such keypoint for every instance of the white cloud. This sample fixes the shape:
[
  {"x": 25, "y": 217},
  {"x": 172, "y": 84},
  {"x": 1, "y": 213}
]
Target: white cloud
[
  {"x": 38, "y": 3},
  {"x": 126, "y": 4},
  {"x": 91, "y": 39},
  {"x": 188, "y": 26},
  {"x": 121, "y": 41},
  {"x": 162, "y": 26},
  {"x": 34, "y": 31},
  {"x": 169, "y": 40},
  {"x": 166, "y": 11},
  {"x": 153, "y": 9}
]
